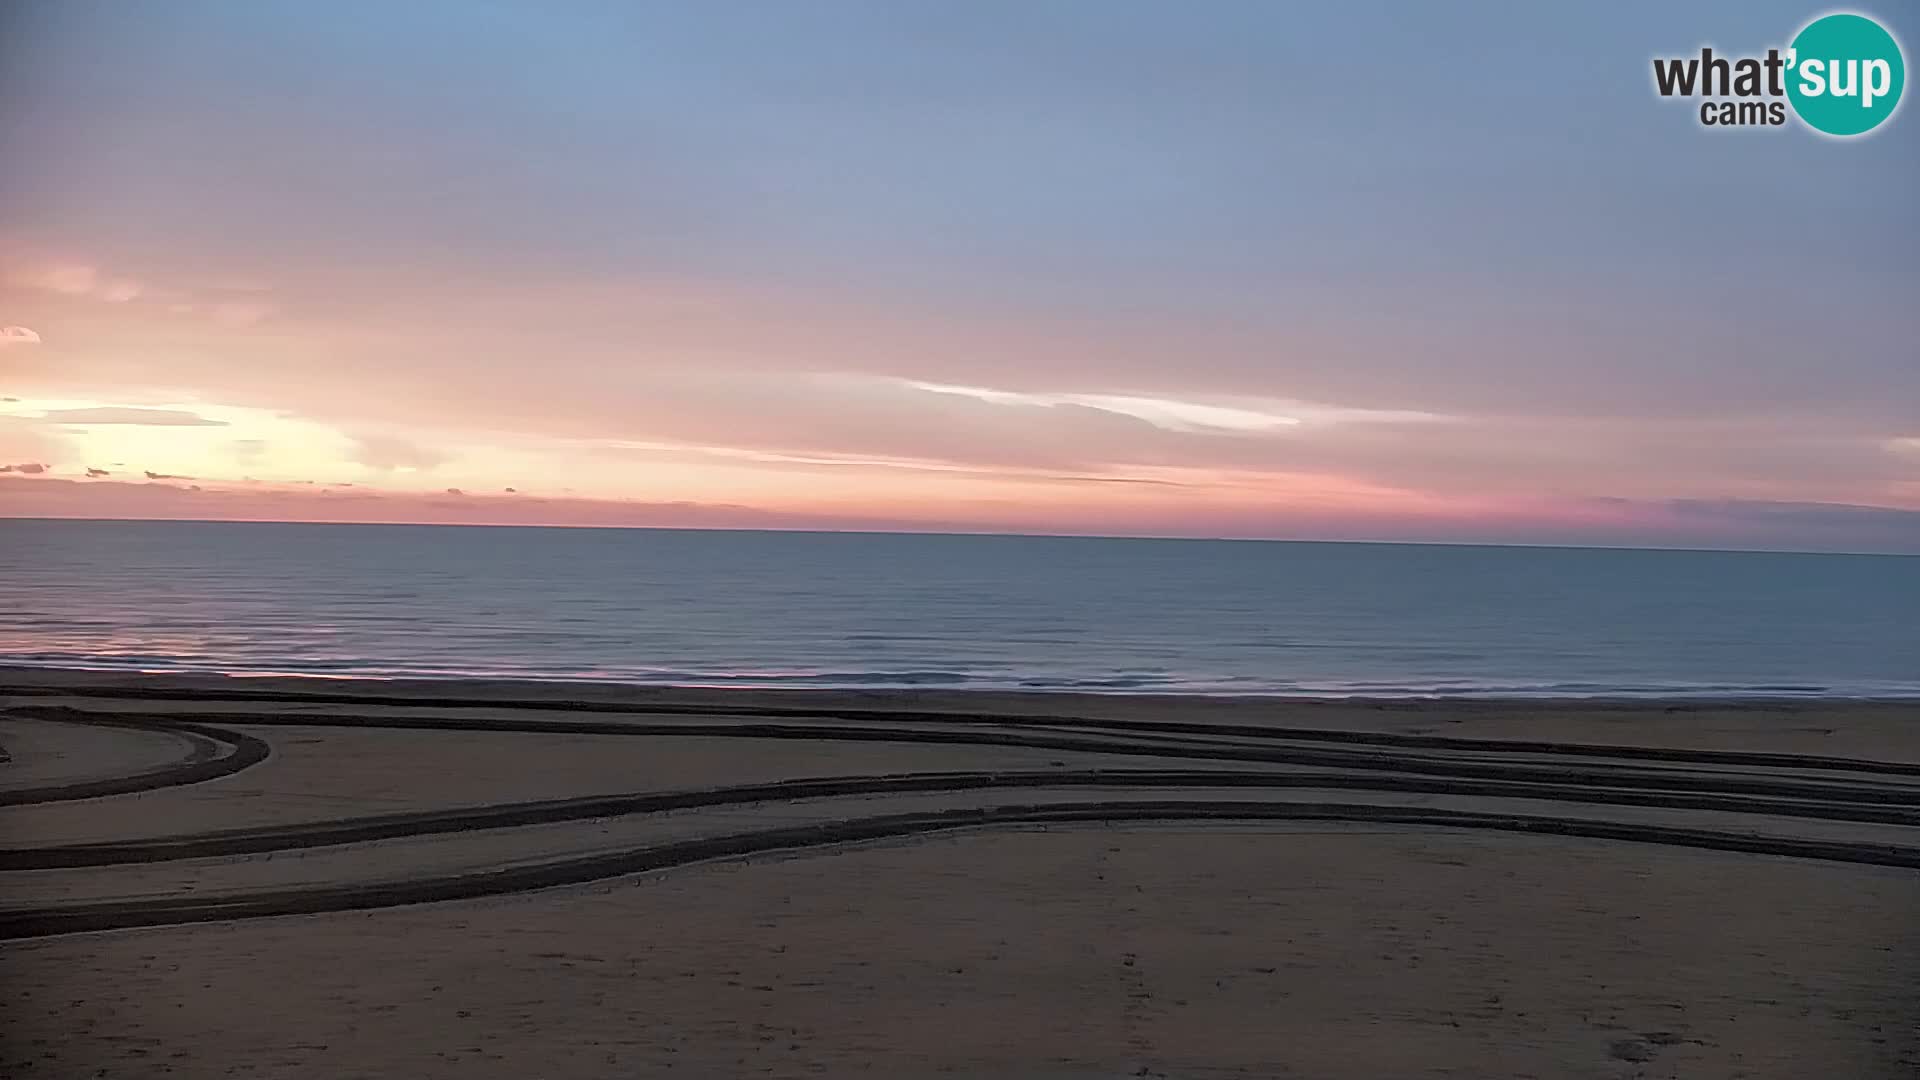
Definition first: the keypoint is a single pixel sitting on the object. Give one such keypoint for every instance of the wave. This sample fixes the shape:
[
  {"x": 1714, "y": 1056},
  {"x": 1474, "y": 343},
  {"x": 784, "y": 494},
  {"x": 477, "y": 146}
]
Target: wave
[{"x": 1115, "y": 682}]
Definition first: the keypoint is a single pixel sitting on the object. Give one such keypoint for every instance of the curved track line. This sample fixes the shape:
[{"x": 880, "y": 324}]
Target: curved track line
[
  {"x": 263, "y": 839},
  {"x": 1365, "y": 758},
  {"x": 1374, "y": 762},
  {"x": 116, "y": 915},
  {"x": 1331, "y": 735},
  {"x": 214, "y": 752}
]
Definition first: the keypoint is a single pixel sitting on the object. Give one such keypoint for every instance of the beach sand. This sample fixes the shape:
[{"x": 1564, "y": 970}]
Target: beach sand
[{"x": 1060, "y": 885}]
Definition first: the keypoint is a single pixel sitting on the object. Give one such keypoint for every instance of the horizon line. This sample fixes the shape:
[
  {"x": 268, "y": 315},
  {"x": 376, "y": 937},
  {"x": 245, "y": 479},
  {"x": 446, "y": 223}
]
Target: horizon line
[{"x": 1010, "y": 534}]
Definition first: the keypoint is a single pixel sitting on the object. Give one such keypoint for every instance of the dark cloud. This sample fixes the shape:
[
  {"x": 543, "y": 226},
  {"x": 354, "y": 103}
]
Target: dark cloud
[
  {"x": 144, "y": 417},
  {"x": 1809, "y": 518},
  {"x": 455, "y": 491},
  {"x": 98, "y": 472},
  {"x": 30, "y": 468},
  {"x": 151, "y": 475}
]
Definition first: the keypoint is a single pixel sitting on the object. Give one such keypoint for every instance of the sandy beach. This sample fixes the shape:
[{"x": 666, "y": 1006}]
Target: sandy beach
[
  {"x": 958, "y": 541},
  {"x": 312, "y": 878}
]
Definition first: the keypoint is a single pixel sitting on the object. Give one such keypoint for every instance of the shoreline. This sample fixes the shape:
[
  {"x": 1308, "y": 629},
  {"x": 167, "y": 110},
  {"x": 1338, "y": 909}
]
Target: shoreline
[
  {"x": 1879, "y": 728},
  {"x": 292, "y": 684}
]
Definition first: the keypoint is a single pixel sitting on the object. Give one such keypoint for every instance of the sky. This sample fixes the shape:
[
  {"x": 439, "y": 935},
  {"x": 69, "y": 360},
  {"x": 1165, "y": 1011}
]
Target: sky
[{"x": 1386, "y": 271}]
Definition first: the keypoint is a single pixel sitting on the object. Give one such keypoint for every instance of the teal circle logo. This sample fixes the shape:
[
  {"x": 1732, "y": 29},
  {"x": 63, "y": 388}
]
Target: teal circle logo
[{"x": 1845, "y": 74}]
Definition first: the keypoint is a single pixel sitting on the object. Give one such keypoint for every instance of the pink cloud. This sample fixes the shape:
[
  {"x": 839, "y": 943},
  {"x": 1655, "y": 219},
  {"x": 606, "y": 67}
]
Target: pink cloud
[
  {"x": 76, "y": 279},
  {"x": 240, "y": 312},
  {"x": 18, "y": 335},
  {"x": 79, "y": 279},
  {"x": 134, "y": 501},
  {"x": 134, "y": 416},
  {"x": 67, "y": 279},
  {"x": 388, "y": 452}
]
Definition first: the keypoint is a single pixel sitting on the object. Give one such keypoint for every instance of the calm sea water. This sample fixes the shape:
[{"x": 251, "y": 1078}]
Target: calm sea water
[{"x": 811, "y": 609}]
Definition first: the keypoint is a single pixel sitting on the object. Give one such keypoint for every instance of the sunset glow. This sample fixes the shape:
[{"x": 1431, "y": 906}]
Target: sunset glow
[{"x": 564, "y": 302}]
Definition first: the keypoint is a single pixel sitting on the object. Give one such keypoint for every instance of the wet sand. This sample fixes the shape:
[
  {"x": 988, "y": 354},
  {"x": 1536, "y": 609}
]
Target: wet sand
[{"x": 294, "y": 878}]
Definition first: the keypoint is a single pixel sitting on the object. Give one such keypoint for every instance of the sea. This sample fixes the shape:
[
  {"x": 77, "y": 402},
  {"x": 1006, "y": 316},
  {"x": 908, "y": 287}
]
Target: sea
[{"x": 804, "y": 609}]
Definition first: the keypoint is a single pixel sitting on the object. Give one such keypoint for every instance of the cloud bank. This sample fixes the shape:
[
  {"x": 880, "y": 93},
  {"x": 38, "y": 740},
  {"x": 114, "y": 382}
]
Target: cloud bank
[
  {"x": 1715, "y": 524},
  {"x": 148, "y": 417}
]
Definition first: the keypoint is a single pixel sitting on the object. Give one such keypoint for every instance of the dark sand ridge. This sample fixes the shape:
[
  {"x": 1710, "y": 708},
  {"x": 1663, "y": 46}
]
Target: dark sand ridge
[{"x": 1816, "y": 784}]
